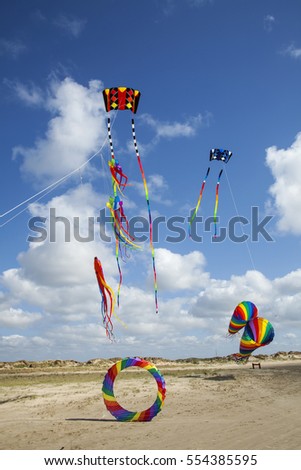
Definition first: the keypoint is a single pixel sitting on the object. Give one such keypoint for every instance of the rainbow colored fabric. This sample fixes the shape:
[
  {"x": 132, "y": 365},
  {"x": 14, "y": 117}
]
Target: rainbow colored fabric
[
  {"x": 108, "y": 394},
  {"x": 244, "y": 312},
  {"x": 258, "y": 332},
  {"x": 108, "y": 299}
]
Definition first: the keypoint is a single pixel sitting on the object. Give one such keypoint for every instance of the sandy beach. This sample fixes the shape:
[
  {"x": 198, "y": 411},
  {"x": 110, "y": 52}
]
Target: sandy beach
[{"x": 210, "y": 404}]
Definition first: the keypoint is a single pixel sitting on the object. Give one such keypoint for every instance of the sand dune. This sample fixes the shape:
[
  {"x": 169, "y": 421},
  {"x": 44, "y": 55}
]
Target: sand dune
[{"x": 210, "y": 404}]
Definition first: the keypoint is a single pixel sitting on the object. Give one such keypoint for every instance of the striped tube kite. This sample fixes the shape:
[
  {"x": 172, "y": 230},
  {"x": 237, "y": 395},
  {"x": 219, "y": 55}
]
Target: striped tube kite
[
  {"x": 244, "y": 312},
  {"x": 223, "y": 156},
  {"x": 257, "y": 330},
  {"x": 123, "y": 98}
]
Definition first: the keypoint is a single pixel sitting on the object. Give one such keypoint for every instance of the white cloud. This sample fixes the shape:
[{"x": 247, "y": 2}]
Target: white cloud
[
  {"x": 187, "y": 325},
  {"x": 72, "y": 26},
  {"x": 171, "y": 130},
  {"x": 290, "y": 283},
  {"x": 285, "y": 166},
  {"x": 74, "y": 133},
  {"x": 57, "y": 276},
  {"x": 12, "y": 48},
  {"x": 17, "y": 317},
  {"x": 20, "y": 347},
  {"x": 290, "y": 336},
  {"x": 57, "y": 280},
  {"x": 268, "y": 22},
  {"x": 31, "y": 95},
  {"x": 180, "y": 272},
  {"x": 220, "y": 297},
  {"x": 53, "y": 288},
  {"x": 292, "y": 51},
  {"x": 157, "y": 188}
]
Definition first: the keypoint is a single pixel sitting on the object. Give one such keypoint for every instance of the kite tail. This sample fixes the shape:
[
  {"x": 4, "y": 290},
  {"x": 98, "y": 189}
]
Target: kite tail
[
  {"x": 107, "y": 304},
  {"x": 119, "y": 179},
  {"x": 216, "y": 203},
  {"x": 149, "y": 214},
  {"x": 199, "y": 201},
  {"x": 119, "y": 283}
]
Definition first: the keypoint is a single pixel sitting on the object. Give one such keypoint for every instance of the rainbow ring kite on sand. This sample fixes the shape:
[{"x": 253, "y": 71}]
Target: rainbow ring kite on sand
[{"x": 108, "y": 395}]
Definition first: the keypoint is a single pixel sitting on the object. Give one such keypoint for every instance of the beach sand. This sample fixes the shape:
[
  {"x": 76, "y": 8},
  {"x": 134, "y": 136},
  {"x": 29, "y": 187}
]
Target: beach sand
[{"x": 210, "y": 404}]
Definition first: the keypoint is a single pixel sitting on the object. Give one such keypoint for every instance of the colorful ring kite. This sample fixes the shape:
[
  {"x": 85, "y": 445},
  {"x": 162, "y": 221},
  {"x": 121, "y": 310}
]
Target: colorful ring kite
[{"x": 110, "y": 401}]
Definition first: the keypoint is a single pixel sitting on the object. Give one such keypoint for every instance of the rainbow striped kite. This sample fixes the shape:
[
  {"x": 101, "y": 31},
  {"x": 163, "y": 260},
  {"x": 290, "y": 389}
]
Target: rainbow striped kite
[{"x": 123, "y": 98}]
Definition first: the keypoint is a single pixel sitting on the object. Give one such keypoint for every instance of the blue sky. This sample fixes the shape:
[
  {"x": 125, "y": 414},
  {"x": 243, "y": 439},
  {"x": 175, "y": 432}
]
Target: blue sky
[{"x": 212, "y": 74}]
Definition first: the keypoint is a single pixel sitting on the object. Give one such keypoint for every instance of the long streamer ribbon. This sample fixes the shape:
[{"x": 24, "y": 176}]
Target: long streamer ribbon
[
  {"x": 149, "y": 213},
  {"x": 216, "y": 203},
  {"x": 107, "y": 305},
  {"x": 119, "y": 181},
  {"x": 199, "y": 200},
  {"x": 109, "y": 205}
]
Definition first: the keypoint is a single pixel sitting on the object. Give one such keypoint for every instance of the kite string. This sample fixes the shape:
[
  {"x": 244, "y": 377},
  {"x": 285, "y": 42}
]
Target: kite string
[
  {"x": 52, "y": 185},
  {"x": 149, "y": 213},
  {"x": 25, "y": 208},
  {"x": 236, "y": 209},
  {"x": 55, "y": 183}
]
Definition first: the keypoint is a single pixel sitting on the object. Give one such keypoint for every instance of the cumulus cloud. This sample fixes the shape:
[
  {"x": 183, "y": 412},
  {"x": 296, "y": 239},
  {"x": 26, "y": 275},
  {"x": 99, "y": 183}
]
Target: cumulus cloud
[
  {"x": 285, "y": 166},
  {"x": 13, "y": 317},
  {"x": 57, "y": 281},
  {"x": 52, "y": 294},
  {"x": 191, "y": 324},
  {"x": 220, "y": 297},
  {"x": 181, "y": 272},
  {"x": 74, "y": 133},
  {"x": 215, "y": 304},
  {"x": 56, "y": 275},
  {"x": 16, "y": 347}
]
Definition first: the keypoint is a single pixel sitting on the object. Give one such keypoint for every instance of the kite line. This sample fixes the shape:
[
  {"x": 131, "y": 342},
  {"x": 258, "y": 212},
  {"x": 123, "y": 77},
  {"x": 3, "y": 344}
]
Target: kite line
[
  {"x": 51, "y": 186},
  {"x": 236, "y": 210}
]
